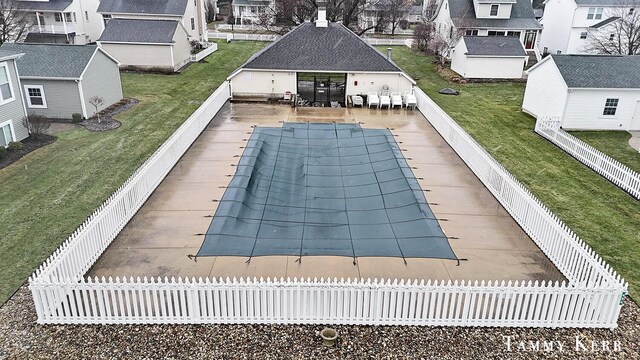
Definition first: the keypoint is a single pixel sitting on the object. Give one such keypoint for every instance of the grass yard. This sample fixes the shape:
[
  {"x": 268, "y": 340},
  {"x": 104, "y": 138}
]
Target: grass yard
[
  {"x": 50, "y": 192},
  {"x": 600, "y": 213},
  {"x": 614, "y": 144}
]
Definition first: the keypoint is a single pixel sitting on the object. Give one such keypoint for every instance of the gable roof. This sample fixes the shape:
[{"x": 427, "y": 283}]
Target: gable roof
[
  {"x": 604, "y": 22},
  {"x": 154, "y": 7},
  {"x": 494, "y": 45},
  {"x": 626, "y": 3},
  {"x": 6, "y": 54},
  {"x": 52, "y": 60},
  {"x": 52, "y": 5},
  {"x": 311, "y": 48},
  {"x": 139, "y": 31},
  {"x": 599, "y": 71},
  {"x": 522, "y": 16}
]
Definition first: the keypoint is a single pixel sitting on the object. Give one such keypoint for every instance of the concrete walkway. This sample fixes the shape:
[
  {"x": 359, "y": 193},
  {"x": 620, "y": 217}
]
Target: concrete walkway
[
  {"x": 635, "y": 140},
  {"x": 158, "y": 239}
]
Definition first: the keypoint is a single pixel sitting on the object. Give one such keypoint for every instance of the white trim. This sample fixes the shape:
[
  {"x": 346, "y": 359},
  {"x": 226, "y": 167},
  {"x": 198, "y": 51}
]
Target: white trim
[
  {"x": 402, "y": 73},
  {"x": 134, "y": 43},
  {"x": 173, "y": 64},
  {"x": 82, "y": 104},
  {"x": 5, "y": 65},
  {"x": 24, "y": 105},
  {"x": 13, "y": 133},
  {"x": 28, "y": 97},
  {"x": 48, "y": 78}
]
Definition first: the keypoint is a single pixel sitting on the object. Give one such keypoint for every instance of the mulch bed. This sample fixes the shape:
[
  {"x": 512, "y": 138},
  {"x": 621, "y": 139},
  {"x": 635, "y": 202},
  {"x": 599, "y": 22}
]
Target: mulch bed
[
  {"x": 31, "y": 143},
  {"x": 107, "y": 122}
]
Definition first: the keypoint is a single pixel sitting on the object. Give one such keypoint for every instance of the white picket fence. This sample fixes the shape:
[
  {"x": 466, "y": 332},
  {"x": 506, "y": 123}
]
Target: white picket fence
[
  {"x": 614, "y": 171},
  {"x": 269, "y": 37},
  {"x": 208, "y": 50},
  {"x": 592, "y": 297}
]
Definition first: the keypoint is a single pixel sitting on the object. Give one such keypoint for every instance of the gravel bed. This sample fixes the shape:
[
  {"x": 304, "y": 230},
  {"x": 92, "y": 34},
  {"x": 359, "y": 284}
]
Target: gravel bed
[{"x": 22, "y": 338}]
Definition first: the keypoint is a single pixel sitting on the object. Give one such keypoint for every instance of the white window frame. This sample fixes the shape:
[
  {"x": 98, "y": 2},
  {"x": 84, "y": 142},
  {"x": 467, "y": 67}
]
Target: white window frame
[
  {"x": 5, "y": 65},
  {"x": 595, "y": 13},
  {"x": 26, "y": 95},
  {"x": 13, "y": 133}
]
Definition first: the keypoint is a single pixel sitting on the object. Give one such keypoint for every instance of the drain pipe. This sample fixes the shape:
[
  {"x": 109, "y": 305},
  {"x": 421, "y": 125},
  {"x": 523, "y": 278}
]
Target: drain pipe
[{"x": 389, "y": 53}]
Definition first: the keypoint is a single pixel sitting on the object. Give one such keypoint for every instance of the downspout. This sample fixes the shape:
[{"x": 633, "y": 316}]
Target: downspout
[
  {"x": 173, "y": 64},
  {"x": 82, "y": 104}
]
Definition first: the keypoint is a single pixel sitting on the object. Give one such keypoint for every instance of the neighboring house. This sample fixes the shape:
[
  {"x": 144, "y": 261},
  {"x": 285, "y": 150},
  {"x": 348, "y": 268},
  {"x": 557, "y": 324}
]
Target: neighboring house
[
  {"x": 12, "y": 109},
  {"x": 415, "y": 14},
  {"x": 488, "y": 57},
  {"x": 58, "y": 80},
  {"x": 189, "y": 13},
  {"x": 322, "y": 62},
  {"x": 372, "y": 10},
  {"x": 147, "y": 44},
  {"x": 63, "y": 21},
  {"x": 454, "y": 18},
  {"x": 569, "y": 25},
  {"x": 246, "y": 12},
  {"x": 590, "y": 92}
]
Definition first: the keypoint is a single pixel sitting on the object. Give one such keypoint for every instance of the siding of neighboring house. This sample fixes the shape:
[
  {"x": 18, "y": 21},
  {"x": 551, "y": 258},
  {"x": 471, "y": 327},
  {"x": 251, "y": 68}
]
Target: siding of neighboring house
[
  {"x": 255, "y": 82},
  {"x": 492, "y": 67},
  {"x": 458, "y": 58},
  {"x": 585, "y": 107},
  {"x": 373, "y": 82},
  {"x": 101, "y": 78},
  {"x": 14, "y": 110},
  {"x": 181, "y": 49},
  {"x": 62, "y": 97},
  {"x": 142, "y": 55},
  {"x": 546, "y": 91}
]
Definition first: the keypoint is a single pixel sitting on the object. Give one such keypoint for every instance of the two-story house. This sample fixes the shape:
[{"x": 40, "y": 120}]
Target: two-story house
[
  {"x": 12, "y": 108},
  {"x": 63, "y": 21},
  {"x": 455, "y": 18},
  {"x": 247, "y": 12},
  {"x": 570, "y": 25}
]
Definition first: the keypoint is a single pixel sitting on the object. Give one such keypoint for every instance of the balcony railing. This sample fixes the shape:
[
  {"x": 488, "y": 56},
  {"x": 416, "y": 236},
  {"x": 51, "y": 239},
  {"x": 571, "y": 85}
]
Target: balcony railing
[{"x": 55, "y": 29}]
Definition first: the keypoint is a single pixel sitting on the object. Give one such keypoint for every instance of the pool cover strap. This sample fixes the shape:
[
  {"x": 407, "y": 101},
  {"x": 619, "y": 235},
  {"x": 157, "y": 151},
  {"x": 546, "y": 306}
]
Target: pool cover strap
[{"x": 324, "y": 189}]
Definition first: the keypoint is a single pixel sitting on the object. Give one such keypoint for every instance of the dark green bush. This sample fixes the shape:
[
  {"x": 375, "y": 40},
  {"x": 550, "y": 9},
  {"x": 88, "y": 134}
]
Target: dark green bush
[
  {"x": 3, "y": 152},
  {"x": 15, "y": 145},
  {"x": 77, "y": 117}
]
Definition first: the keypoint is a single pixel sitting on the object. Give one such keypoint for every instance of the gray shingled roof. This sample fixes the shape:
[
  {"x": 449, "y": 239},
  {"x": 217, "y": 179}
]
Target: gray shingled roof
[
  {"x": 6, "y": 53},
  {"x": 157, "y": 7},
  {"x": 607, "y": 2},
  {"x": 522, "y": 16},
  {"x": 416, "y": 10},
  {"x": 53, "y": 5},
  {"x": 139, "y": 31},
  {"x": 311, "y": 48},
  {"x": 599, "y": 71},
  {"x": 494, "y": 45},
  {"x": 49, "y": 60},
  {"x": 604, "y": 22},
  {"x": 250, "y": 2}
]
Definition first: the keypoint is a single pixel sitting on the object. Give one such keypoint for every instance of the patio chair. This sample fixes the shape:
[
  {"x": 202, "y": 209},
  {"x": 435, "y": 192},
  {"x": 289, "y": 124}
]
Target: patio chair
[
  {"x": 396, "y": 100},
  {"x": 356, "y": 100},
  {"x": 385, "y": 99},
  {"x": 373, "y": 100},
  {"x": 410, "y": 101}
]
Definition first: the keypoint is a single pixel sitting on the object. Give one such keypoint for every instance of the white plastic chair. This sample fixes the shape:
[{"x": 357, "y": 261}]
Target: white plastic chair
[
  {"x": 410, "y": 100},
  {"x": 356, "y": 100},
  {"x": 396, "y": 100},
  {"x": 385, "y": 99},
  {"x": 373, "y": 99}
]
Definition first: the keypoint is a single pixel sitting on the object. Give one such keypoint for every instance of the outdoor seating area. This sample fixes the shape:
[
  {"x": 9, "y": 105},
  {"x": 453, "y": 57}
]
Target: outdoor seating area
[{"x": 388, "y": 100}]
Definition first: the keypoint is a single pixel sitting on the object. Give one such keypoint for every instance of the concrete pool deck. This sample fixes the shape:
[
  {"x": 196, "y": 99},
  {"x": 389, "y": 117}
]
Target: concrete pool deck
[{"x": 158, "y": 239}]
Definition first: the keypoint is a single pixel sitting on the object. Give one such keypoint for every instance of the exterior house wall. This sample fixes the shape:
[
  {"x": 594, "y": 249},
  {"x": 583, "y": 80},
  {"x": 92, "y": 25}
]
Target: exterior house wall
[
  {"x": 101, "y": 78},
  {"x": 373, "y": 82},
  {"x": 14, "y": 110},
  {"x": 458, "y": 58},
  {"x": 181, "y": 49},
  {"x": 486, "y": 67},
  {"x": 254, "y": 82},
  {"x": 141, "y": 55},
  {"x": 585, "y": 107},
  {"x": 62, "y": 97},
  {"x": 87, "y": 24},
  {"x": 546, "y": 91},
  {"x": 484, "y": 11}
]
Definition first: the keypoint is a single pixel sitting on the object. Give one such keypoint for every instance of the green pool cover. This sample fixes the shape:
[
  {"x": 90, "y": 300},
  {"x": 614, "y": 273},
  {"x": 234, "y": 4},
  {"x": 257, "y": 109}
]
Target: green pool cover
[{"x": 324, "y": 189}]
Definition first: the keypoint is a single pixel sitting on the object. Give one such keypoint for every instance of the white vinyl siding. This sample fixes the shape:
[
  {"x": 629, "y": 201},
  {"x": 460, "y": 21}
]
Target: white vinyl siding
[
  {"x": 546, "y": 91},
  {"x": 35, "y": 97},
  {"x": 585, "y": 109},
  {"x": 101, "y": 78},
  {"x": 63, "y": 98},
  {"x": 13, "y": 111}
]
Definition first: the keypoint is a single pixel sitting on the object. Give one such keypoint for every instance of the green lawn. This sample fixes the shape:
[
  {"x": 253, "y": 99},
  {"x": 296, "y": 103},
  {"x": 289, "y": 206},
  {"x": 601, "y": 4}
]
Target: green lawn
[
  {"x": 614, "y": 144},
  {"x": 51, "y": 191},
  {"x": 600, "y": 213}
]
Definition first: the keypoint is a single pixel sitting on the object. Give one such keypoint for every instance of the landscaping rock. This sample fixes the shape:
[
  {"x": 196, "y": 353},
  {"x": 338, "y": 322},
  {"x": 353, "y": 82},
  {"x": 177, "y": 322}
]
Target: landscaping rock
[{"x": 449, "y": 91}]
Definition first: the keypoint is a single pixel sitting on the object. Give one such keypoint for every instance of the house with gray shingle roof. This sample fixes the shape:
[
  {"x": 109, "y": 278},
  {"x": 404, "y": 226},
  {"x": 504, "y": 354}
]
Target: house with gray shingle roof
[
  {"x": 57, "y": 80},
  {"x": 586, "y": 92},
  {"x": 148, "y": 44},
  {"x": 62, "y": 21},
  {"x": 189, "y": 13},
  {"x": 570, "y": 26},
  {"x": 12, "y": 105},
  {"x": 489, "y": 57},
  {"x": 322, "y": 62},
  {"x": 515, "y": 18}
]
